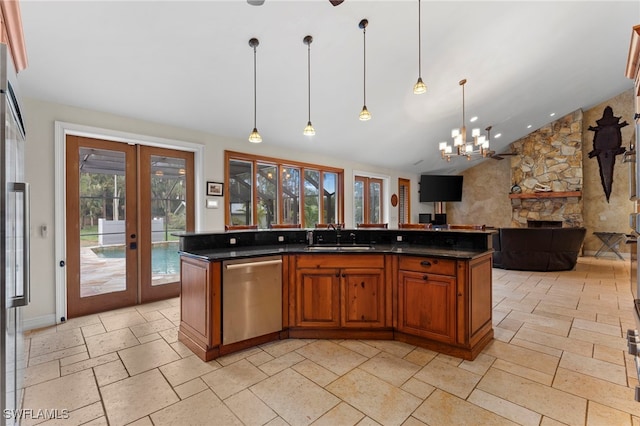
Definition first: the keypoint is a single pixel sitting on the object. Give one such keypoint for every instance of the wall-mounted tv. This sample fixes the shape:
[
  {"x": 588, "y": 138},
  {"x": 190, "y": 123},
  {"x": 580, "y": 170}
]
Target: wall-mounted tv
[{"x": 440, "y": 188}]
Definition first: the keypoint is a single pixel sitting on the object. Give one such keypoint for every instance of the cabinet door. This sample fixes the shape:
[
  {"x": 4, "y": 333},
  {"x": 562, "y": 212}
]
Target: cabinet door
[
  {"x": 317, "y": 297},
  {"x": 427, "y": 305},
  {"x": 363, "y": 298}
]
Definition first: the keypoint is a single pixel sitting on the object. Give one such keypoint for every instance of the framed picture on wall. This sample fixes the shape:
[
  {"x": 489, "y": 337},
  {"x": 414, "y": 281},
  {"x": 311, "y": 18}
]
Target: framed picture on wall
[{"x": 215, "y": 189}]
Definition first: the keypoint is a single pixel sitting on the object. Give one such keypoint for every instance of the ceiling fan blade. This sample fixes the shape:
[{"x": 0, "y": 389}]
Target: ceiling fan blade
[{"x": 336, "y": 2}]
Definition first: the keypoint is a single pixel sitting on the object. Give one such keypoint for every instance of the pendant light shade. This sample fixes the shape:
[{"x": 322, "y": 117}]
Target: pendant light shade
[
  {"x": 419, "y": 88},
  {"x": 364, "y": 114},
  {"x": 254, "y": 137},
  {"x": 308, "y": 130}
]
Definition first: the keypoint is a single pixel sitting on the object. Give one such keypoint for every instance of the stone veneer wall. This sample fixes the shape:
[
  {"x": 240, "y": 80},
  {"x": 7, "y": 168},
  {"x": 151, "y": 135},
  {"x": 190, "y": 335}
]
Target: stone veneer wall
[{"x": 550, "y": 156}]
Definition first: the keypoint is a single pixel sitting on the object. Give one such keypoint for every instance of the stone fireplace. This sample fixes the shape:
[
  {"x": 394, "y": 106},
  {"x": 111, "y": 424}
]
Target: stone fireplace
[{"x": 549, "y": 158}]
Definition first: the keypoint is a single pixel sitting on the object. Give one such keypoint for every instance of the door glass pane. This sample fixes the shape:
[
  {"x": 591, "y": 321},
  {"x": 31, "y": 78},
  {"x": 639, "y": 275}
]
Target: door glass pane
[
  {"x": 240, "y": 192},
  {"x": 329, "y": 191},
  {"x": 311, "y": 198},
  {"x": 358, "y": 201},
  {"x": 267, "y": 186},
  {"x": 168, "y": 215},
  {"x": 102, "y": 222},
  {"x": 291, "y": 195},
  {"x": 375, "y": 197}
]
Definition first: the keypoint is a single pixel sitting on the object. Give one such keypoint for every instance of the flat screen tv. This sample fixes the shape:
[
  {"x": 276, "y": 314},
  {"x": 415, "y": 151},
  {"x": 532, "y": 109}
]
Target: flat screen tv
[{"x": 440, "y": 188}]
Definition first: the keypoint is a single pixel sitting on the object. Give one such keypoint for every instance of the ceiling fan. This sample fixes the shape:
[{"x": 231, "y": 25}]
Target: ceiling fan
[
  {"x": 261, "y": 2},
  {"x": 493, "y": 155}
]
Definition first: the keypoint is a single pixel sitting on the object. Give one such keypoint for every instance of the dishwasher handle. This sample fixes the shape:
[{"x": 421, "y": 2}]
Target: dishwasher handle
[{"x": 253, "y": 264}]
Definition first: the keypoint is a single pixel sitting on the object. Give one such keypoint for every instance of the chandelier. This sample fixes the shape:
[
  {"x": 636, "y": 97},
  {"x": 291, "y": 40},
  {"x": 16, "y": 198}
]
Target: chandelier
[{"x": 479, "y": 146}]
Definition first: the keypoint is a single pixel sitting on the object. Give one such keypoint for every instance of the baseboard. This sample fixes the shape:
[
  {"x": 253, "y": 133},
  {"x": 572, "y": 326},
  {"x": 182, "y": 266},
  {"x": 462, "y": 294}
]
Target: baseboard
[{"x": 39, "y": 322}]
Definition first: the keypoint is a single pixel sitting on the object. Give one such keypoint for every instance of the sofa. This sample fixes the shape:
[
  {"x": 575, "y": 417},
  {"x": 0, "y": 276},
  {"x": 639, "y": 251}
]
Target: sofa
[{"x": 537, "y": 249}]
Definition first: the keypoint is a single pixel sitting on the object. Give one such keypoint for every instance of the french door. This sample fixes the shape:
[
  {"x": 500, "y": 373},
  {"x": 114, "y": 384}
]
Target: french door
[{"x": 123, "y": 202}]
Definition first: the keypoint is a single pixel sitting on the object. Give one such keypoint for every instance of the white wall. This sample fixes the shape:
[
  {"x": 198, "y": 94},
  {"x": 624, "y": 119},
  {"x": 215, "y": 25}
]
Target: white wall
[{"x": 40, "y": 118}]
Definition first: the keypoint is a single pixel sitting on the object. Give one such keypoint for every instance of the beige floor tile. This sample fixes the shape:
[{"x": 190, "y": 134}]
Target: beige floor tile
[
  {"x": 281, "y": 347},
  {"x": 237, "y": 356},
  {"x": 331, "y": 356},
  {"x": 100, "y": 421},
  {"x": 598, "y": 338},
  {"x": 598, "y": 390},
  {"x": 412, "y": 421},
  {"x": 360, "y": 347},
  {"x": 418, "y": 388},
  {"x": 523, "y": 356},
  {"x": 110, "y": 372},
  {"x": 374, "y": 397},
  {"x": 41, "y": 373},
  {"x": 250, "y": 409},
  {"x": 197, "y": 410},
  {"x": 295, "y": 398},
  {"x": 536, "y": 347},
  {"x": 170, "y": 335},
  {"x": 93, "y": 329},
  {"x": 504, "y": 408},
  {"x": 451, "y": 379},
  {"x": 442, "y": 408},
  {"x": 278, "y": 421},
  {"x": 149, "y": 337},
  {"x": 341, "y": 414},
  {"x": 522, "y": 371},
  {"x": 420, "y": 356},
  {"x": 368, "y": 421},
  {"x": 315, "y": 372},
  {"x": 82, "y": 356},
  {"x": 156, "y": 326},
  {"x": 600, "y": 415},
  {"x": 278, "y": 364},
  {"x": 172, "y": 313},
  {"x": 542, "y": 322},
  {"x": 122, "y": 320},
  {"x": 110, "y": 342},
  {"x": 399, "y": 349},
  {"x": 145, "y": 421},
  {"x": 190, "y": 388},
  {"x": 54, "y": 342},
  {"x": 152, "y": 315},
  {"x": 611, "y": 330},
  {"x": 260, "y": 358},
  {"x": 136, "y": 397},
  {"x": 594, "y": 367},
  {"x": 502, "y": 335},
  {"x": 186, "y": 369},
  {"x": 559, "y": 343},
  {"x": 35, "y": 360},
  {"x": 390, "y": 368},
  {"x": 233, "y": 378},
  {"x": 65, "y": 393},
  {"x": 80, "y": 416},
  {"x": 480, "y": 365},
  {"x": 534, "y": 396},
  {"x": 181, "y": 349},
  {"x": 154, "y": 306},
  {"x": 78, "y": 322},
  {"x": 89, "y": 363},
  {"x": 147, "y": 356}
]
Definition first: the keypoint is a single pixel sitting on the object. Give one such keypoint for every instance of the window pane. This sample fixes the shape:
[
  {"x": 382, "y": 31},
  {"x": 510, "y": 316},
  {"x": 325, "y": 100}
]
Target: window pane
[
  {"x": 329, "y": 194},
  {"x": 375, "y": 196},
  {"x": 266, "y": 184},
  {"x": 240, "y": 192},
  {"x": 311, "y": 198},
  {"x": 291, "y": 195},
  {"x": 358, "y": 201},
  {"x": 169, "y": 214}
]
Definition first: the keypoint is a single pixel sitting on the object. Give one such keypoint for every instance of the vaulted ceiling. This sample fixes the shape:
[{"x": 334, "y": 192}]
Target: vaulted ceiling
[{"x": 189, "y": 64}]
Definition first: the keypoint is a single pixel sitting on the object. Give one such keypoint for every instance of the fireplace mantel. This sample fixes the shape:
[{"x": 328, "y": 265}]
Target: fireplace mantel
[{"x": 550, "y": 194}]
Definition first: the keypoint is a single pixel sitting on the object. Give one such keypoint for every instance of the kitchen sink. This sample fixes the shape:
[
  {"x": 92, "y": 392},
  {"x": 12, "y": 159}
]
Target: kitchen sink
[{"x": 340, "y": 247}]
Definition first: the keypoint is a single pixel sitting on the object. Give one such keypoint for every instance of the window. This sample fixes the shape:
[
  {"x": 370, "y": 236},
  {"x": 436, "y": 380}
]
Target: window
[
  {"x": 367, "y": 199},
  {"x": 281, "y": 191}
]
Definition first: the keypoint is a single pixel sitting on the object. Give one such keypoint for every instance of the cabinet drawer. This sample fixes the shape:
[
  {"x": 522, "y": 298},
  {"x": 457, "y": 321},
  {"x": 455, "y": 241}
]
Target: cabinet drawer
[
  {"x": 340, "y": 261},
  {"x": 428, "y": 264}
]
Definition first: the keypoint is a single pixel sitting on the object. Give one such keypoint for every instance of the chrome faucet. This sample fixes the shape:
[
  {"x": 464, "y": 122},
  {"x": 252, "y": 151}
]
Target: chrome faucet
[
  {"x": 337, "y": 228},
  {"x": 310, "y": 237}
]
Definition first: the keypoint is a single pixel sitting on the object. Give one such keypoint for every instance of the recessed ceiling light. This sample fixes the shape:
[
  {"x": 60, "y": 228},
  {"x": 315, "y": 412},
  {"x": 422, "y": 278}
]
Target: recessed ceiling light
[
  {"x": 552, "y": 114},
  {"x": 472, "y": 119},
  {"x": 529, "y": 126},
  {"x": 498, "y": 135}
]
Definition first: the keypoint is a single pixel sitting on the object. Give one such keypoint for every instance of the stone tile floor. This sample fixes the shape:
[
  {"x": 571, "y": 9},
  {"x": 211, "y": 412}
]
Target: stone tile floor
[{"x": 558, "y": 357}]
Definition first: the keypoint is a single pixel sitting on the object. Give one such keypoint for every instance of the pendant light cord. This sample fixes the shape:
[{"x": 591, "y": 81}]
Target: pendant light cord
[
  {"x": 364, "y": 73},
  {"x": 255, "y": 96},
  {"x": 309, "y": 79},
  {"x": 419, "y": 43}
]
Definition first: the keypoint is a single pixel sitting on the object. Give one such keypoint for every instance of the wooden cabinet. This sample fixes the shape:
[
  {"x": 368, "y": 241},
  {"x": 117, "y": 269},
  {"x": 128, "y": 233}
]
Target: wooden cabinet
[
  {"x": 340, "y": 291},
  {"x": 200, "y": 306},
  {"x": 427, "y": 305}
]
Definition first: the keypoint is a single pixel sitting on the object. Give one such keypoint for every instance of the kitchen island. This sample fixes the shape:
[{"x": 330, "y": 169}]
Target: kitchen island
[{"x": 430, "y": 288}]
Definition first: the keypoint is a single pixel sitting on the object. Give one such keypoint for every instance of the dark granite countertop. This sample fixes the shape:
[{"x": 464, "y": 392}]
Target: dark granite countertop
[{"x": 405, "y": 249}]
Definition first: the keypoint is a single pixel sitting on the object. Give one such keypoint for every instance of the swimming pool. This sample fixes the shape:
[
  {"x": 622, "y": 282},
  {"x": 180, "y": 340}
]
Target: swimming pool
[{"x": 165, "y": 259}]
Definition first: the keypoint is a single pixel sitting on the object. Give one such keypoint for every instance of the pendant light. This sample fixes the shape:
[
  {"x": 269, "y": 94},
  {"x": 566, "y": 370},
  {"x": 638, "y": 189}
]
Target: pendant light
[
  {"x": 254, "y": 136},
  {"x": 419, "y": 88},
  {"x": 309, "y": 130},
  {"x": 364, "y": 114}
]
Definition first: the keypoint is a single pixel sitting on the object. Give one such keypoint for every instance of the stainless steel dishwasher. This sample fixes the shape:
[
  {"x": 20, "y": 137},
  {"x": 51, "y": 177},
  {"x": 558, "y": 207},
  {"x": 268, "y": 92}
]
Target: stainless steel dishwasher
[{"x": 251, "y": 298}]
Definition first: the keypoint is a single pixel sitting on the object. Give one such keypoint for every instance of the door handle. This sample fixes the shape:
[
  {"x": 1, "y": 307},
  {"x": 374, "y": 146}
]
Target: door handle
[{"x": 25, "y": 298}]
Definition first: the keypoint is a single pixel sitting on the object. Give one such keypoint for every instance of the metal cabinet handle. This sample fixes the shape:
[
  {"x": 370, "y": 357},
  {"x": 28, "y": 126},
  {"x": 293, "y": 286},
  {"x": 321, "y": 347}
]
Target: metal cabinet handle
[{"x": 249, "y": 263}]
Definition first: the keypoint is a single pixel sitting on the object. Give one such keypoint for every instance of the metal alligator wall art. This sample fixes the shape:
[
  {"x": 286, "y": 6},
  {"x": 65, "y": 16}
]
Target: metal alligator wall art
[{"x": 607, "y": 143}]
